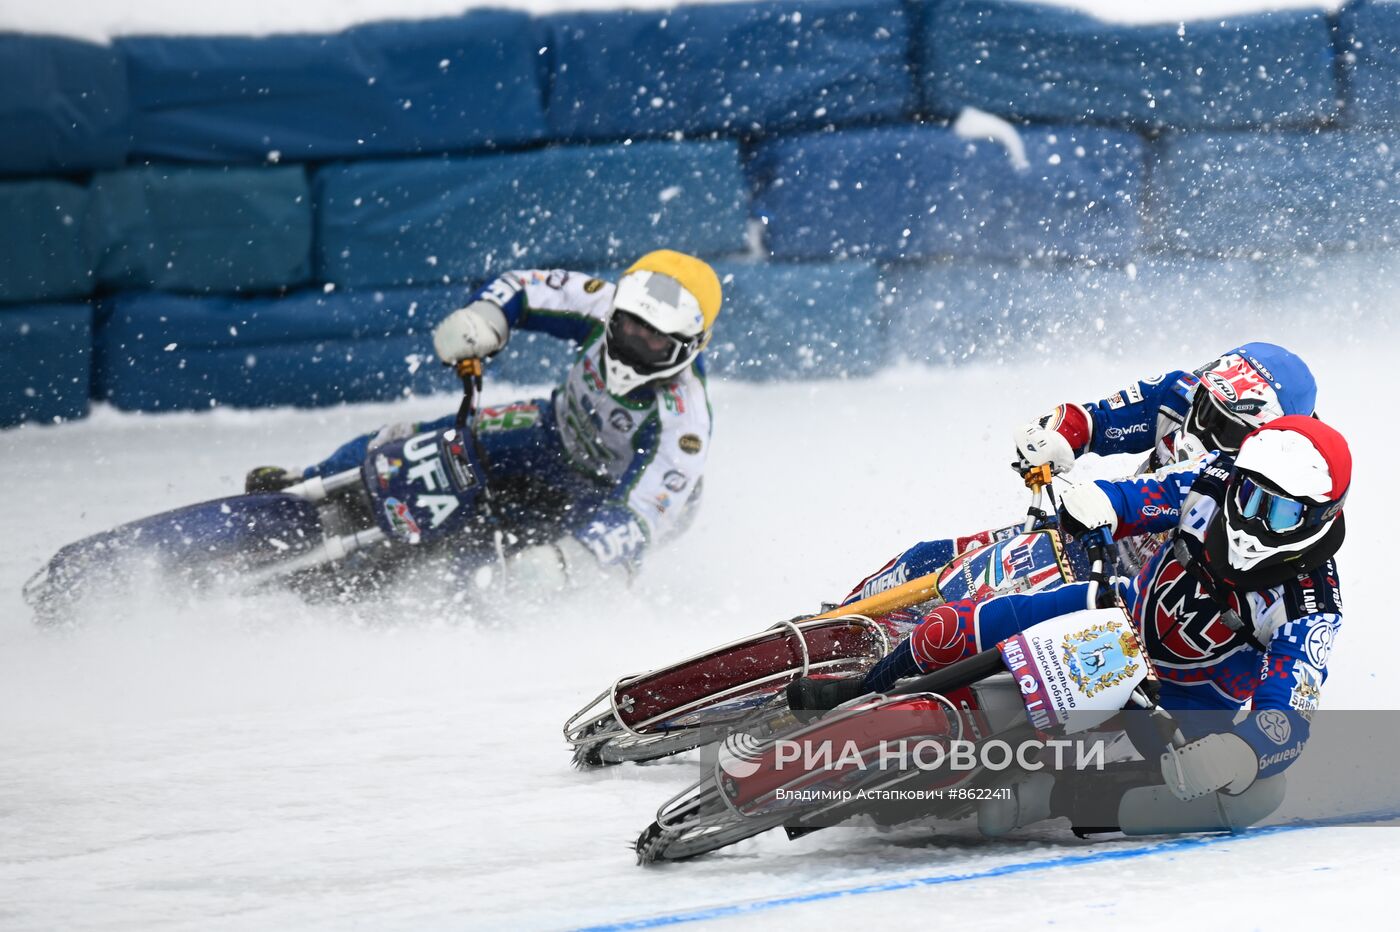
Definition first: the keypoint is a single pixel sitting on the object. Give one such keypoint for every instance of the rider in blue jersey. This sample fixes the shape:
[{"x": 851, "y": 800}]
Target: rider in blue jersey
[
  {"x": 1238, "y": 603},
  {"x": 1173, "y": 418}
]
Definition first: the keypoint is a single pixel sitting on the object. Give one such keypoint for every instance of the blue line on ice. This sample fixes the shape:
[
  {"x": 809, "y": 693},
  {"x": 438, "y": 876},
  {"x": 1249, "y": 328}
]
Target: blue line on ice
[{"x": 1021, "y": 867}]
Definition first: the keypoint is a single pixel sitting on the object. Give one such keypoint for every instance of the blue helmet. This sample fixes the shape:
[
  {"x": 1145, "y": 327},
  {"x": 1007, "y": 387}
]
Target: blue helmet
[{"x": 1246, "y": 388}]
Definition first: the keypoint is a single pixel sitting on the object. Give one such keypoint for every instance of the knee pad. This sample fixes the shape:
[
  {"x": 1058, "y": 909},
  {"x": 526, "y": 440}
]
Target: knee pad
[{"x": 940, "y": 639}]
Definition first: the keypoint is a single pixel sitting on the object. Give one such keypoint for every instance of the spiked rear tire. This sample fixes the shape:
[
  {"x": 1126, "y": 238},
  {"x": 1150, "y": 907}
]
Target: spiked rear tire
[{"x": 698, "y": 826}]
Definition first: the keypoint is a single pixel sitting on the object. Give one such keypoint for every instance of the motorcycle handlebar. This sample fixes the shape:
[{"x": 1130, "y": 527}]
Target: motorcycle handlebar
[
  {"x": 1037, "y": 479},
  {"x": 1098, "y": 543},
  {"x": 470, "y": 372},
  {"x": 1103, "y": 555}
]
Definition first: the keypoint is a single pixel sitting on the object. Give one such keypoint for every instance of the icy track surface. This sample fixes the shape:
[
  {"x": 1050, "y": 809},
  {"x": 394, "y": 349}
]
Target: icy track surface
[{"x": 261, "y": 763}]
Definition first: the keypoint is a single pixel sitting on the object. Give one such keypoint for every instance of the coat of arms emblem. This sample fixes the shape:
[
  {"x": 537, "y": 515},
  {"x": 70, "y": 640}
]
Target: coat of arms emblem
[{"x": 1100, "y": 656}]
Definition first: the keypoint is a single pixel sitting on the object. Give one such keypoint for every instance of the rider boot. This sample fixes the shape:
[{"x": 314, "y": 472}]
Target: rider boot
[
  {"x": 1155, "y": 810},
  {"x": 819, "y": 693},
  {"x": 893, "y": 667},
  {"x": 269, "y": 479},
  {"x": 1091, "y": 799},
  {"x": 1028, "y": 803}
]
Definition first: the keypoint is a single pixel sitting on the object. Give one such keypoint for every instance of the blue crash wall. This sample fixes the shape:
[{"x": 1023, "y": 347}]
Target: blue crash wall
[
  {"x": 1370, "y": 41},
  {"x": 43, "y": 256},
  {"x": 63, "y": 106},
  {"x": 45, "y": 363},
  {"x": 201, "y": 230},
  {"x": 925, "y": 192},
  {"x": 1277, "y": 193},
  {"x": 734, "y": 69},
  {"x": 415, "y": 221},
  {"x": 280, "y": 220},
  {"x": 1045, "y": 63},
  {"x": 385, "y": 88},
  {"x": 168, "y": 352}
]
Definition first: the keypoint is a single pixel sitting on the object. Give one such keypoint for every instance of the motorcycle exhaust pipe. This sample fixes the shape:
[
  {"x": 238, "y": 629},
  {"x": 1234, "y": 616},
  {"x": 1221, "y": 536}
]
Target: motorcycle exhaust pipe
[
  {"x": 319, "y": 488},
  {"x": 328, "y": 551}
]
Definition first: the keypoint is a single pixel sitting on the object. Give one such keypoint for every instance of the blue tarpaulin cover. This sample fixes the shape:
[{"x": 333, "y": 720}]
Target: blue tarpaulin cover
[
  {"x": 63, "y": 105},
  {"x": 1370, "y": 34},
  {"x": 1244, "y": 193},
  {"x": 406, "y": 88},
  {"x": 731, "y": 68},
  {"x": 45, "y": 362},
  {"x": 43, "y": 255},
  {"x": 201, "y": 229},
  {"x": 907, "y": 192},
  {"x": 422, "y": 221},
  {"x": 1042, "y": 62}
]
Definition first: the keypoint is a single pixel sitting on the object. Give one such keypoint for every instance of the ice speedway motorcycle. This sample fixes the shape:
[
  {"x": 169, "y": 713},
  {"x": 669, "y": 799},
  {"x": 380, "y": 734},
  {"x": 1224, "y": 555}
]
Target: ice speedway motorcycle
[
  {"x": 407, "y": 496},
  {"x": 701, "y": 699},
  {"x": 1062, "y": 677}
]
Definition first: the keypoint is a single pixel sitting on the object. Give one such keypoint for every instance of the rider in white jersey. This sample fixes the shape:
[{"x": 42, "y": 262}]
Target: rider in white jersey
[{"x": 609, "y": 465}]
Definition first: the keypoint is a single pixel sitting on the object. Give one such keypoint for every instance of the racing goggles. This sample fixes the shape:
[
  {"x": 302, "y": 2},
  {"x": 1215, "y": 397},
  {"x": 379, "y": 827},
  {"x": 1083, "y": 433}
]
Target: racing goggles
[
  {"x": 1276, "y": 511},
  {"x": 636, "y": 343},
  {"x": 1216, "y": 428}
]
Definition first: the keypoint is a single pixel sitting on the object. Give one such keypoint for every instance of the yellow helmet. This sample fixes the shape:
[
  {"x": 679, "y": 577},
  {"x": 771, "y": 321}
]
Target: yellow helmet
[{"x": 663, "y": 310}]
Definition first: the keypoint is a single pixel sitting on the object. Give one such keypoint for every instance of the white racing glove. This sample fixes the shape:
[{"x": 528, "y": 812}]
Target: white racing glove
[
  {"x": 1038, "y": 444},
  {"x": 549, "y": 568},
  {"x": 1219, "y": 762},
  {"x": 1084, "y": 507},
  {"x": 473, "y": 332},
  {"x": 391, "y": 432}
]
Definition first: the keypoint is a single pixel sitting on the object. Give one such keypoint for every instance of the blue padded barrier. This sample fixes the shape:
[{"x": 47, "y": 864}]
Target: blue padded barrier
[
  {"x": 384, "y": 88},
  {"x": 1245, "y": 193},
  {"x": 915, "y": 192},
  {"x": 1370, "y": 35},
  {"x": 1351, "y": 294},
  {"x": 1046, "y": 63},
  {"x": 43, "y": 256},
  {"x": 63, "y": 105},
  {"x": 167, "y": 352},
  {"x": 730, "y": 68},
  {"x": 953, "y": 312},
  {"x": 782, "y": 321},
  {"x": 161, "y": 352},
  {"x": 45, "y": 362},
  {"x": 970, "y": 311},
  {"x": 420, "y": 222},
  {"x": 1196, "y": 292},
  {"x": 201, "y": 229}
]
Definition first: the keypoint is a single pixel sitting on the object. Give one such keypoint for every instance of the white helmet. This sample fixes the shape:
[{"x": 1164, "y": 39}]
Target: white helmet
[
  {"x": 662, "y": 313},
  {"x": 1285, "y": 494}
]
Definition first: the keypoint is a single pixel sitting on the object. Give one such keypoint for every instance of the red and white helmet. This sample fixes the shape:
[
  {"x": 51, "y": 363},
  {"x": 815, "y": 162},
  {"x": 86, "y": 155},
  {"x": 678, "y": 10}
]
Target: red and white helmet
[
  {"x": 1244, "y": 389},
  {"x": 1286, "y": 493}
]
